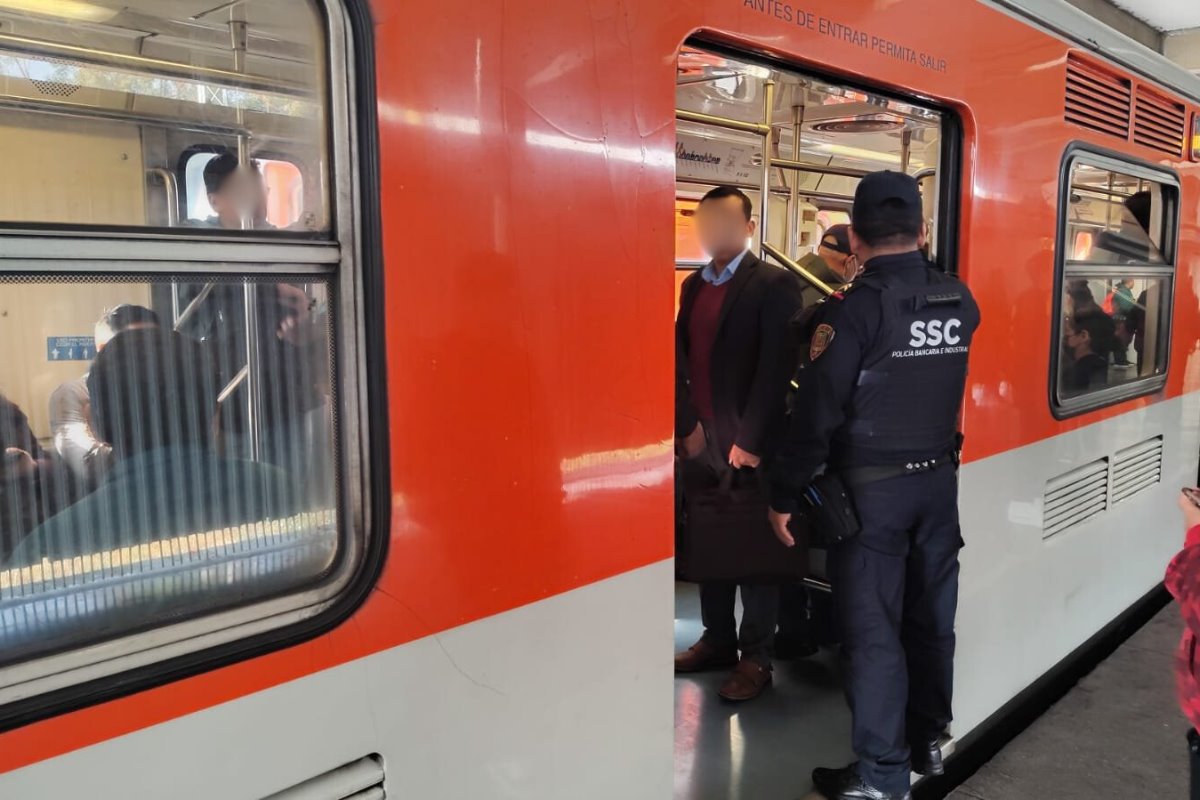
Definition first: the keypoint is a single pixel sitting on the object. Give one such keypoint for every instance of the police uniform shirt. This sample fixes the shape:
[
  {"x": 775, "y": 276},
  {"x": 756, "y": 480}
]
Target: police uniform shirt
[{"x": 842, "y": 332}]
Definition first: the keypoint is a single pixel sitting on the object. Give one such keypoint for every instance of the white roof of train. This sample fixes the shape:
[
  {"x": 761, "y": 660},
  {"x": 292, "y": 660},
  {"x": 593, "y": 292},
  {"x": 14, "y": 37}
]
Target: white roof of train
[{"x": 1076, "y": 26}]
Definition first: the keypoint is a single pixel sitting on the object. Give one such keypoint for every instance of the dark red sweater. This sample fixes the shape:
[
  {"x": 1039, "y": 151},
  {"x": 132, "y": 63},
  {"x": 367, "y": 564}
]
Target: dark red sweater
[
  {"x": 702, "y": 334},
  {"x": 1183, "y": 581}
]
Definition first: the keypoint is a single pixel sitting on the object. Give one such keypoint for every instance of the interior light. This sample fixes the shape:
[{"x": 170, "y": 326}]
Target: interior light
[
  {"x": 1196, "y": 138},
  {"x": 859, "y": 153},
  {"x": 755, "y": 71},
  {"x": 66, "y": 9}
]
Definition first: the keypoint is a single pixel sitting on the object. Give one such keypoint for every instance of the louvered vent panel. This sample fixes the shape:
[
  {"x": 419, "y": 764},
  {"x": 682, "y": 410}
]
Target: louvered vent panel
[
  {"x": 361, "y": 780},
  {"x": 1135, "y": 469},
  {"x": 1075, "y": 497},
  {"x": 1096, "y": 99},
  {"x": 1159, "y": 123}
]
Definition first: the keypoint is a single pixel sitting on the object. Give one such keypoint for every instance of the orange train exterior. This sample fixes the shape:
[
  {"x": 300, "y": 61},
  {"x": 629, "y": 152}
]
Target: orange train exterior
[{"x": 517, "y": 641}]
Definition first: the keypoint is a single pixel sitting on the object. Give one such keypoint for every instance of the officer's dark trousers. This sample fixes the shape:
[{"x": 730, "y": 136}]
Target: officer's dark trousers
[{"x": 896, "y": 590}]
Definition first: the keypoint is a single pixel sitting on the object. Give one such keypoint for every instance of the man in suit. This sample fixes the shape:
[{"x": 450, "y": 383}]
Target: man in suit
[{"x": 735, "y": 355}]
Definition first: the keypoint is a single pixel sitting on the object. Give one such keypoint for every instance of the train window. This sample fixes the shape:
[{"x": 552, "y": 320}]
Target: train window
[
  {"x": 185, "y": 454},
  {"x": 119, "y": 97},
  {"x": 806, "y": 140},
  {"x": 149, "y": 487},
  {"x": 1117, "y": 274},
  {"x": 282, "y": 185}
]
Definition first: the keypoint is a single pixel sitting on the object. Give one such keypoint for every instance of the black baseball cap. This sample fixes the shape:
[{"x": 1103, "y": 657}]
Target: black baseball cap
[
  {"x": 837, "y": 239},
  {"x": 887, "y": 200}
]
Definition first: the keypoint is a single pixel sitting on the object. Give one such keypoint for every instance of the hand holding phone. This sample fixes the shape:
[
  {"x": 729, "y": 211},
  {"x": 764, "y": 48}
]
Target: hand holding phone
[
  {"x": 1189, "y": 504},
  {"x": 1193, "y": 496}
]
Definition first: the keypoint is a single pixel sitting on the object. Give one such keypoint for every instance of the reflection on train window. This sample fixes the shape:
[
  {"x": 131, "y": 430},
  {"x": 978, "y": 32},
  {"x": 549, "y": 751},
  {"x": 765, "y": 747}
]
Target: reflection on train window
[
  {"x": 118, "y": 100},
  {"x": 823, "y": 137},
  {"x": 280, "y": 191},
  {"x": 175, "y": 459},
  {"x": 1117, "y": 277}
]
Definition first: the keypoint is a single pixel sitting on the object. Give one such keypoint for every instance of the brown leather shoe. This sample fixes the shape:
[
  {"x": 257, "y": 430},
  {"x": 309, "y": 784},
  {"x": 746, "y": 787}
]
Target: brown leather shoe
[
  {"x": 702, "y": 656},
  {"x": 746, "y": 682}
]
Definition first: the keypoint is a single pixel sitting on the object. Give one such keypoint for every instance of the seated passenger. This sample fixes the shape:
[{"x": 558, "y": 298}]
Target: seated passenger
[
  {"x": 1087, "y": 340},
  {"x": 153, "y": 398},
  {"x": 33, "y": 483},
  {"x": 236, "y": 193},
  {"x": 70, "y": 409}
]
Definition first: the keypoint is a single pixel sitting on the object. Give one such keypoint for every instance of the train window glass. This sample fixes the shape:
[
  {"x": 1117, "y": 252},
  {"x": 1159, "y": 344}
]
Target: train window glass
[
  {"x": 117, "y": 98},
  {"x": 175, "y": 459},
  {"x": 808, "y": 140},
  {"x": 1113, "y": 327},
  {"x": 283, "y": 188}
]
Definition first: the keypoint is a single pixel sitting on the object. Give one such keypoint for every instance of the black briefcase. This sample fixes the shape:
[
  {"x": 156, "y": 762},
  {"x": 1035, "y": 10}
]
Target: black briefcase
[{"x": 724, "y": 534}]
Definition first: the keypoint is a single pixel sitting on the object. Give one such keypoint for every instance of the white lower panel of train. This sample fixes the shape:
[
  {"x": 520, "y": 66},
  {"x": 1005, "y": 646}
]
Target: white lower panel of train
[{"x": 570, "y": 696}]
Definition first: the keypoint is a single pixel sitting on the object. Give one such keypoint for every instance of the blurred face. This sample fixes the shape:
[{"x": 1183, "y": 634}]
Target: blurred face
[
  {"x": 242, "y": 196},
  {"x": 723, "y": 228}
]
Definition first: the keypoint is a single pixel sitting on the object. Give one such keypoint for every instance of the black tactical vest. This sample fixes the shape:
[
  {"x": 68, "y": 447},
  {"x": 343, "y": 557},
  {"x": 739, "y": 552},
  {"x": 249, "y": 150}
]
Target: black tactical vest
[{"x": 911, "y": 384}]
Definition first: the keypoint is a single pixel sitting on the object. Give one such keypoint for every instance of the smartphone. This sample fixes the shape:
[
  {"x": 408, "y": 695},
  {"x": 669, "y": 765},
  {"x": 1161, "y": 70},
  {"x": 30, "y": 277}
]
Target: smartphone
[{"x": 1193, "y": 495}]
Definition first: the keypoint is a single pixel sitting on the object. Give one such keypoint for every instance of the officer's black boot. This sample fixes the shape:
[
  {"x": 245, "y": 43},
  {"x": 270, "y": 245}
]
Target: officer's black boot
[
  {"x": 845, "y": 784},
  {"x": 927, "y": 758}
]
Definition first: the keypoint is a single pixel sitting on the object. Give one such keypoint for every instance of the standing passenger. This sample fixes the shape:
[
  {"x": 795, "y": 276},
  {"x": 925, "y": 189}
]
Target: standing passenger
[
  {"x": 878, "y": 400},
  {"x": 834, "y": 262},
  {"x": 87, "y": 456},
  {"x": 734, "y": 358},
  {"x": 237, "y": 193}
]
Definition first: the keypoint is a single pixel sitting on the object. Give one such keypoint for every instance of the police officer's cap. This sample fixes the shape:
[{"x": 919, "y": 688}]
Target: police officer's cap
[{"x": 887, "y": 195}]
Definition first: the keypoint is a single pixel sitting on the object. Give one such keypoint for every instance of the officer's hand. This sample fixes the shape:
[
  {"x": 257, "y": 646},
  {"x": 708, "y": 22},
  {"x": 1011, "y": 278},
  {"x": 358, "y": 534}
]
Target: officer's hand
[
  {"x": 692, "y": 445},
  {"x": 1191, "y": 514},
  {"x": 739, "y": 458},
  {"x": 779, "y": 524}
]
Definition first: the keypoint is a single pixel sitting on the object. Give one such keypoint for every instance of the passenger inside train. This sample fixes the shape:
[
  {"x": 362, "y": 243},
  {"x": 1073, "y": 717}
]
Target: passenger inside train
[
  {"x": 237, "y": 194},
  {"x": 153, "y": 399}
]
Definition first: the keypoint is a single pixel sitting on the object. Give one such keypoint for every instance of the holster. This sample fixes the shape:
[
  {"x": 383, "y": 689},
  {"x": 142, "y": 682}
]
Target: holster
[{"x": 831, "y": 510}]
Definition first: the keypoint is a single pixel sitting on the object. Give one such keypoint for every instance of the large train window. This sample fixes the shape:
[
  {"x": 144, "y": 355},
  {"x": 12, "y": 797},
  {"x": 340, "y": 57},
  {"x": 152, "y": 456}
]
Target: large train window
[
  {"x": 804, "y": 142},
  {"x": 1112, "y": 332},
  {"x": 183, "y": 444}
]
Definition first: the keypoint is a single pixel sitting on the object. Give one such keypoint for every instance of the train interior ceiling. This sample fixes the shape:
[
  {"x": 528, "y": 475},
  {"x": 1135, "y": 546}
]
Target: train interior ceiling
[{"x": 820, "y": 138}]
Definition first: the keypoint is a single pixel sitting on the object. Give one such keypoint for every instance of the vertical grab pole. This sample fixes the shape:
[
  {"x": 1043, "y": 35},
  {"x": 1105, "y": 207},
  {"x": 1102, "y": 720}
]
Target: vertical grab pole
[
  {"x": 764, "y": 200},
  {"x": 793, "y": 239},
  {"x": 237, "y": 36}
]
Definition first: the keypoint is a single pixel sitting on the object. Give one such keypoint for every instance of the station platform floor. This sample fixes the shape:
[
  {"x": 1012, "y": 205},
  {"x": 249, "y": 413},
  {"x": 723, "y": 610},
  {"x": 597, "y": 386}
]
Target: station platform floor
[{"x": 1117, "y": 734}]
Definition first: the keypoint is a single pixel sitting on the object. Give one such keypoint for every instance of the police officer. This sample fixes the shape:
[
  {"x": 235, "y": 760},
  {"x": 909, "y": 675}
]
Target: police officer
[{"x": 877, "y": 403}]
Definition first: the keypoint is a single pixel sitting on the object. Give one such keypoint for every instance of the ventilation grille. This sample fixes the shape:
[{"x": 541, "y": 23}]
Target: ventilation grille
[
  {"x": 1136, "y": 469},
  {"x": 1075, "y": 497},
  {"x": 1159, "y": 123},
  {"x": 361, "y": 780},
  {"x": 56, "y": 88},
  {"x": 1096, "y": 99}
]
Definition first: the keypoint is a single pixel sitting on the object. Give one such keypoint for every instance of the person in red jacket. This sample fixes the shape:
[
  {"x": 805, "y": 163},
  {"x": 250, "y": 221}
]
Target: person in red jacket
[{"x": 1183, "y": 582}]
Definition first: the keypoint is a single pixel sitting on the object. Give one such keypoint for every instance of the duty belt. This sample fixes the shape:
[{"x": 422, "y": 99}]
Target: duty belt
[{"x": 857, "y": 476}]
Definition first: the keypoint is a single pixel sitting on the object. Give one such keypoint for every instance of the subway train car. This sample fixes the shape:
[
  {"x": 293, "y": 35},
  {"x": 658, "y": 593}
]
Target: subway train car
[{"x": 336, "y": 369}]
